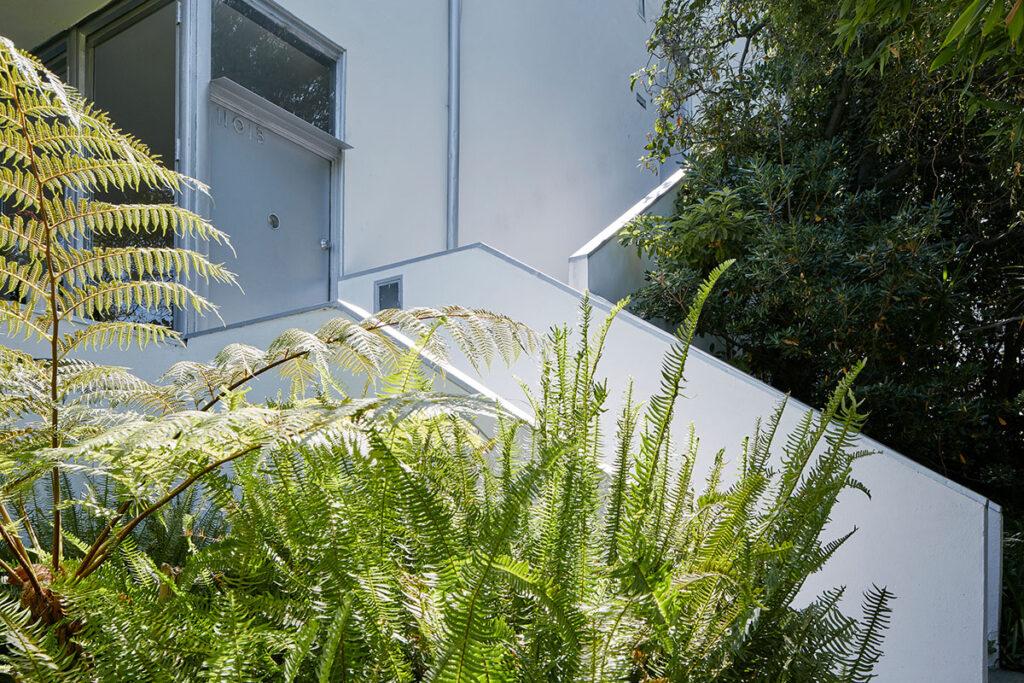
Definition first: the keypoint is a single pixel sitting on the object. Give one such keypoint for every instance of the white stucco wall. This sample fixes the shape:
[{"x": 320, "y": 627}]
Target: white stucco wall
[
  {"x": 395, "y": 100},
  {"x": 605, "y": 267},
  {"x": 551, "y": 134},
  {"x": 920, "y": 534}
]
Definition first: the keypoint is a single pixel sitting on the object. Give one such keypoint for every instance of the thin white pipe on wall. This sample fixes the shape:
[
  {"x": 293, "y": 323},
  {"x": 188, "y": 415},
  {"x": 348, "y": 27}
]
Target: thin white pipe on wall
[{"x": 454, "y": 44}]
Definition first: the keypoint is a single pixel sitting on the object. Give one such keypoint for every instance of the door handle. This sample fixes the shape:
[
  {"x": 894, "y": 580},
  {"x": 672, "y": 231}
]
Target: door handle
[{"x": 325, "y": 245}]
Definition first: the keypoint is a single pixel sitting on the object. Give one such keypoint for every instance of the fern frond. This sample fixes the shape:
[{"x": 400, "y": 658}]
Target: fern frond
[
  {"x": 658, "y": 418},
  {"x": 31, "y": 648},
  {"x": 111, "y": 297},
  {"x": 121, "y": 333},
  {"x": 867, "y": 647},
  {"x": 71, "y": 219}
]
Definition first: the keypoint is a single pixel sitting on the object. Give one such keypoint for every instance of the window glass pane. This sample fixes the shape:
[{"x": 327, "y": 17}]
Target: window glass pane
[
  {"x": 266, "y": 59},
  {"x": 59, "y": 66},
  {"x": 134, "y": 79},
  {"x": 9, "y": 214},
  {"x": 389, "y": 294}
]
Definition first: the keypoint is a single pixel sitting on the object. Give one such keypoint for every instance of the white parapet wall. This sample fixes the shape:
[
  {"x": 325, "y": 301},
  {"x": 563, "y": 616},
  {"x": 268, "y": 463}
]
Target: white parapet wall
[
  {"x": 603, "y": 266},
  {"x": 934, "y": 543}
]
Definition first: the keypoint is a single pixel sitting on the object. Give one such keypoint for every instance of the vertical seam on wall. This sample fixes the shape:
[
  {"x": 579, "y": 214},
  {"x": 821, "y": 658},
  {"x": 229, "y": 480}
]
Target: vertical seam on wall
[
  {"x": 986, "y": 530},
  {"x": 454, "y": 76}
]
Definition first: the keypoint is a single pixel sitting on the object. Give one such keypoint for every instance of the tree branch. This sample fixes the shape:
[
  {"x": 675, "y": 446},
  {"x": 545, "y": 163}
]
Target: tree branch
[{"x": 838, "y": 108}]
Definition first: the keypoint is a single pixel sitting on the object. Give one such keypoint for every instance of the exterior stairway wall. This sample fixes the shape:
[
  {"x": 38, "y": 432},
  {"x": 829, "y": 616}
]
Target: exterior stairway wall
[{"x": 927, "y": 538}]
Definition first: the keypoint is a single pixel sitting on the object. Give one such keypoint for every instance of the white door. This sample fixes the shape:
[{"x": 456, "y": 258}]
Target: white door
[
  {"x": 273, "y": 197},
  {"x": 274, "y": 153}
]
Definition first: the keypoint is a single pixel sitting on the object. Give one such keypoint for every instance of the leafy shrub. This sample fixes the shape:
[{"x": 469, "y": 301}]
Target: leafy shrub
[
  {"x": 873, "y": 204},
  {"x": 1011, "y": 625}
]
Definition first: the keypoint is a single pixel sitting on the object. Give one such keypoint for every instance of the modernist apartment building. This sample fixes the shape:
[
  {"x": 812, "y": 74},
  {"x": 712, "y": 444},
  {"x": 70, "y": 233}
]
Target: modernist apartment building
[
  {"x": 382, "y": 153},
  {"x": 348, "y": 135}
]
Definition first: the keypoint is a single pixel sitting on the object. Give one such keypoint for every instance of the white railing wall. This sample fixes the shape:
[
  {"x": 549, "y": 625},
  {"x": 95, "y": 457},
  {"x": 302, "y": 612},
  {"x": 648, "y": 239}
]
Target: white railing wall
[
  {"x": 605, "y": 267},
  {"x": 931, "y": 541}
]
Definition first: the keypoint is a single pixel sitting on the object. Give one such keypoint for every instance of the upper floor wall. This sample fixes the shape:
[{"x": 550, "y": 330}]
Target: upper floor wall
[
  {"x": 551, "y": 133},
  {"x": 395, "y": 103}
]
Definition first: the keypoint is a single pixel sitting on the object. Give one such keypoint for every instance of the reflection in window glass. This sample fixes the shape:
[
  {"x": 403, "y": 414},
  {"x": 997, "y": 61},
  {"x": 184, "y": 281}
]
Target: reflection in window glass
[
  {"x": 59, "y": 66},
  {"x": 268, "y": 60},
  {"x": 134, "y": 79},
  {"x": 8, "y": 214},
  {"x": 389, "y": 294}
]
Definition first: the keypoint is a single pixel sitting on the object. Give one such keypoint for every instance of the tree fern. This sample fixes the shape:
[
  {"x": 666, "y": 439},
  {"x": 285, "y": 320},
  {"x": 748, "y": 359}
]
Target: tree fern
[{"x": 99, "y": 428}]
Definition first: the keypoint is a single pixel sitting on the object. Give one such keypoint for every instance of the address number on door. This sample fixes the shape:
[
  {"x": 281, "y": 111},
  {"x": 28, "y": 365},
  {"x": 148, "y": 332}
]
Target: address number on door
[{"x": 240, "y": 125}]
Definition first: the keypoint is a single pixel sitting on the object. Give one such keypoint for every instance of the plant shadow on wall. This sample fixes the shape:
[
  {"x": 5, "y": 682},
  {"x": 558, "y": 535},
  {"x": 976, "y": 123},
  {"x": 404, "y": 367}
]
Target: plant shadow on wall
[{"x": 177, "y": 530}]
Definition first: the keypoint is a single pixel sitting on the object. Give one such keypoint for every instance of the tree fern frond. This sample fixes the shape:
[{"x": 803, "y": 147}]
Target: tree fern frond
[
  {"x": 71, "y": 218},
  {"x": 107, "y": 298},
  {"x": 121, "y": 333},
  {"x": 18, "y": 319},
  {"x": 85, "y": 266}
]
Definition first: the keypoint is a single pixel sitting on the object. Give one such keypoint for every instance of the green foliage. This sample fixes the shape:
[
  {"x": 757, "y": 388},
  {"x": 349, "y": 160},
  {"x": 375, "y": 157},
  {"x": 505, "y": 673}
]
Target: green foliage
[
  {"x": 384, "y": 534},
  {"x": 872, "y": 204},
  {"x": 398, "y": 543},
  {"x": 1011, "y": 625},
  {"x": 92, "y": 456},
  {"x": 976, "y": 42}
]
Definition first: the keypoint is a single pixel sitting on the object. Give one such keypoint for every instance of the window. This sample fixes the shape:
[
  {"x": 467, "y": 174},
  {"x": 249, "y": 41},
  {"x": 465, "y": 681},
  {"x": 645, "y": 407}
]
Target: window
[
  {"x": 134, "y": 78},
  {"x": 387, "y": 294},
  {"x": 641, "y": 9},
  {"x": 272, "y": 62}
]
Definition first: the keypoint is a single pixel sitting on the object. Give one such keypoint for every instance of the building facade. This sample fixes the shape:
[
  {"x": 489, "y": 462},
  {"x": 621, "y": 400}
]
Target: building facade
[
  {"x": 364, "y": 155},
  {"x": 343, "y": 136}
]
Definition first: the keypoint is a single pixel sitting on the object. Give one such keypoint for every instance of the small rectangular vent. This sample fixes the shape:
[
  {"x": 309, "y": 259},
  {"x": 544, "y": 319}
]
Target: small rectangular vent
[
  {"x": 387, "y": 294},
  {"x": 641, "y": 100}
]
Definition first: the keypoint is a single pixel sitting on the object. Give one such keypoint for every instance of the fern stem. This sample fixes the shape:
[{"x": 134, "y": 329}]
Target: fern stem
[
  {"x": 300, "y": 354},
  {"x": 55, "y": 328},
  {"x": 9, "y": 569},
  {"x": 102, "y": 537},
  {"x": 28, "y": 524},
  {"x": 19, "y": 551},
  {"x": 6, "y": 516},
  {"x": 168, "y": 497}
]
